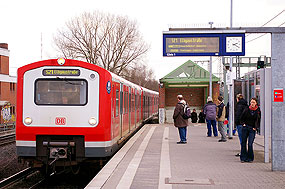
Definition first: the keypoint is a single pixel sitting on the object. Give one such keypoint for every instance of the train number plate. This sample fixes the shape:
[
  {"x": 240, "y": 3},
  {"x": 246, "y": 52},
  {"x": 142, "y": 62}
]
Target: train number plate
[{"x": 60, "y": 120}]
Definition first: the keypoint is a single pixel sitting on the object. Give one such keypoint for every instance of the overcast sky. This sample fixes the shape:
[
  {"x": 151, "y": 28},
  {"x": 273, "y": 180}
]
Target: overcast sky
[{"x": 22, "y": 22}]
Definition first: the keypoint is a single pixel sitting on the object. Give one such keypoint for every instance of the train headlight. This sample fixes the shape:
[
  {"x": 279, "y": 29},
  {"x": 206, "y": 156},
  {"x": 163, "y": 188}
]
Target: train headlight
[
  {"x": 28, "y": 120},
  {"x": 92, "y": 121},
  {"x": 61, "y": 61}
]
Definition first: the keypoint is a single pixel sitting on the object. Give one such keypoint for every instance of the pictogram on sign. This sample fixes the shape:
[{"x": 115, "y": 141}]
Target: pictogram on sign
[{"x": 278, "y": 95}]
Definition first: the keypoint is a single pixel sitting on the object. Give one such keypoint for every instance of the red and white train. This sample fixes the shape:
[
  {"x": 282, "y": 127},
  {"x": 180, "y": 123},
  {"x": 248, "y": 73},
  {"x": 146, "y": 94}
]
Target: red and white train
[{"x": 72, "y": 111}]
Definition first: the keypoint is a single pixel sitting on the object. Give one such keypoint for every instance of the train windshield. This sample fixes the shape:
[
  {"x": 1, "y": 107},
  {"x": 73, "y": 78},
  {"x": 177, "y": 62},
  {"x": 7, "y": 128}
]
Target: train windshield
[{"x": 64, "y": 92}]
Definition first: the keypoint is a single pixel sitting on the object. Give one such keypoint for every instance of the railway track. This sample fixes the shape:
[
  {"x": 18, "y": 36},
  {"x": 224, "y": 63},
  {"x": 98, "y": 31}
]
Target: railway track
[
  {"x": 7, "y": 139},
  {"x": 17, "y": 177}
]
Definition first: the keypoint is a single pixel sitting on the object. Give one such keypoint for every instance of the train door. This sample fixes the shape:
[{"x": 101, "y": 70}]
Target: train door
[
  {"x": 121, "y": 110},
  {"x": 144, "y": 106},
  {"x": 141, "y": 106},
  {"x": 129, "y": 108},
  {"x": 135, "y": 107},
  {"x": 126, "y": 128},
  {"x": 116, "y": 110},
  {"x": 140, "y": 99},
  {"x": 132, "y": 107}
]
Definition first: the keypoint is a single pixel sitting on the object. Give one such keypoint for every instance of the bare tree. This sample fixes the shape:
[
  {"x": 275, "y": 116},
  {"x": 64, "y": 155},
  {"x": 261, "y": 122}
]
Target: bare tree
[
  {"x": 112, "y": 42},
  {"x": 141, "y": 75}
]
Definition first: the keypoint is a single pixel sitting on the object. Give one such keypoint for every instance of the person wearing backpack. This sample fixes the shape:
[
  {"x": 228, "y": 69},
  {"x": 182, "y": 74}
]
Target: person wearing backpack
[
  {"x": 179, "y": 121},
  {"x": 210, "y": 109}
]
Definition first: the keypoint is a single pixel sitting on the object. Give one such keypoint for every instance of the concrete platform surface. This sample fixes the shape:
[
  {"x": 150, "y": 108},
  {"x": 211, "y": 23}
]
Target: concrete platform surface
[{"x": 153, "y": 159}]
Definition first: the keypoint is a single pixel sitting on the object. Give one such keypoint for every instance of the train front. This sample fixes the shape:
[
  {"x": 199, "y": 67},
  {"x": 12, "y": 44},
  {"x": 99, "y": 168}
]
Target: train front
[{"x": 63, "y": 112}]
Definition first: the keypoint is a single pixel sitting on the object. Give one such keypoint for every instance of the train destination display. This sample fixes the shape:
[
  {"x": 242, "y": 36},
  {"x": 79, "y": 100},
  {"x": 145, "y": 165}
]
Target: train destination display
[
  {"x": 61, "y": 72},
  {"x": 203, "y": 44},
  {"x": 192, "y": 45}
]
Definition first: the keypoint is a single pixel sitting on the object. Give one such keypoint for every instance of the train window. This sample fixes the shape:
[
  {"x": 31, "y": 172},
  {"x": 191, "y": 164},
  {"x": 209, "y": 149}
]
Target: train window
[
  {"x": 140, "y": 100},
  {"x": 65, "y": 92},
  {"x": 126, "y": 103},
  {"x": 136, "y": 102},
  {"x": 117, "y": 103},
  {"x": 130, "y": 102},
  {"x": 133, "y": 102},
  {"x": 121, "y": 102}
]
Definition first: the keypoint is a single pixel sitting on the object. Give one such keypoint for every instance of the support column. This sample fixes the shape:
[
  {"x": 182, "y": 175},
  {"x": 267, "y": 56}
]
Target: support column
[
  {"x": 161, "y": 118},
  {"x": 278, "y": 113}
]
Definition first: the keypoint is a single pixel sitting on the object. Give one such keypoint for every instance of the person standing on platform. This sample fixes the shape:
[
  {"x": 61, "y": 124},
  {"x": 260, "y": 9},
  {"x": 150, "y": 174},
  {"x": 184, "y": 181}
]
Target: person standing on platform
[
  {"x": 210, "y": 109},
  {"x": 241, "y": 105},
  {"x": 221, "y": 117},
  {"x": 179, "y": 121},
  {"x": 202, "y": 117},
  {"x": 250, "y": 118},
  {"x": 194, "y": 117}
]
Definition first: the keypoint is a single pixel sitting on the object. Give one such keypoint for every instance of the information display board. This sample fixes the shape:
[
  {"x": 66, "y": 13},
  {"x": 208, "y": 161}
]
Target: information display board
[
  {"x": 192, "y": 45},
  {"x": 203, "y": 44}
]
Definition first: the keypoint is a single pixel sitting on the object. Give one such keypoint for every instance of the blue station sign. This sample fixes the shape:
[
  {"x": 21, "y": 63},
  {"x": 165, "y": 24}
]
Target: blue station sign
[{"x": 203, "y": 44}]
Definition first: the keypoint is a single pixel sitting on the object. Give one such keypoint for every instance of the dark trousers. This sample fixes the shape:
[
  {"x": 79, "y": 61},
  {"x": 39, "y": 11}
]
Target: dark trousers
[
  {"x": 182, "y": 133},
  {"x": 248, "y": 135},
  {"x": 209, "y": 124}
]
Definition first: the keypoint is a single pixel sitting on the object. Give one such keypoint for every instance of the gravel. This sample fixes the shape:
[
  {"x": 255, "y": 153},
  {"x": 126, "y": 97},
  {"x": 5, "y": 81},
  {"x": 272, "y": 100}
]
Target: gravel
[{"x": 8, "y": 161}]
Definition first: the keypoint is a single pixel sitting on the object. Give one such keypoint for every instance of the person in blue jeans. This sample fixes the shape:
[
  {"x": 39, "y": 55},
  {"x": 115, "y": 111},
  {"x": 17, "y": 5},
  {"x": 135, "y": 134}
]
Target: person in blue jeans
[
  {"x": 179, "y": 121},
  {"x": 250, "y": 118},
  {"x": 210, "y": 110},
  {"x": 241, "y": 105}
]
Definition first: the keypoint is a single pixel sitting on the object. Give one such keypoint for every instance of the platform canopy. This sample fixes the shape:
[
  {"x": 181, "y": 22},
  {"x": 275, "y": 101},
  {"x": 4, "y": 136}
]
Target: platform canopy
[{"x": 188, "y": 74}]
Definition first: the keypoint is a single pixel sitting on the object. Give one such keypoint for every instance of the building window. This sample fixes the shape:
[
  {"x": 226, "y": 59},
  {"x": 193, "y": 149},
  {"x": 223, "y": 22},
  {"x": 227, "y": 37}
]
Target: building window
[{"x": 12, "y": 86}]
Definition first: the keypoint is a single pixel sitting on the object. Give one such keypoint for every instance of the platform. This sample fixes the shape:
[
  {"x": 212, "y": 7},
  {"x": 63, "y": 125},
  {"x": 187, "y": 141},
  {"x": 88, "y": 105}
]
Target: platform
[{"x": 152, "y": 159}]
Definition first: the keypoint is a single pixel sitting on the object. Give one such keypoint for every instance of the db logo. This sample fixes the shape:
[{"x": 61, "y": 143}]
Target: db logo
[{"x": 60, "y": 120}]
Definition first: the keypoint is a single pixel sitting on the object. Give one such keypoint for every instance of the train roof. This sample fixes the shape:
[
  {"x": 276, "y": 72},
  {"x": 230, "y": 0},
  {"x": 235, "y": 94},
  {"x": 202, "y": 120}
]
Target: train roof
[
  {"x": 72, "y": 62},
  {"x": 120, "y": 79},
  {"x": 149, "y": 91}
]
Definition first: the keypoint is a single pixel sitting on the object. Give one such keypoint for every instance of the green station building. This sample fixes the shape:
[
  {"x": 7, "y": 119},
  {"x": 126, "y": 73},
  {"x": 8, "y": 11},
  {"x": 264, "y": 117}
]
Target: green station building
[{"x": 189, "y": 80}]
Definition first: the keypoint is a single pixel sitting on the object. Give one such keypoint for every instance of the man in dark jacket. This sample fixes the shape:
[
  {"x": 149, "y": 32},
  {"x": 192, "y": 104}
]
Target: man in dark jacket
[
  {"x": 202, "y": 116},
  {"x": 194, "y": 116},
  {"x": 221, "y": 116},
  {"x": 179, "y": 121},
  {"x": 241, "y": 105},
  {"x": 210, "y": 109}
]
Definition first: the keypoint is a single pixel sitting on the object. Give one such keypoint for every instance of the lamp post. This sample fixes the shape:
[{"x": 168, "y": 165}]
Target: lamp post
[
  {"x": 231, "y": 86},
  {"x": 210, "y": 68}
]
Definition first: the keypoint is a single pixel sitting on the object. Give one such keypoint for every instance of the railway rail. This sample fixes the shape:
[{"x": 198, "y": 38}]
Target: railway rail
[
  {"x": 17, "y": 177},
  {"x": 7, "y": 139}
]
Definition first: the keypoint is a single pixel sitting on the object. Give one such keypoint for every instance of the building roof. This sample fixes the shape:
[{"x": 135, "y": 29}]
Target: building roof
[
  {"x": 8, "y": 78},
  {"x": 189, "y": 72},
  {"x": 4, "y": 52}
]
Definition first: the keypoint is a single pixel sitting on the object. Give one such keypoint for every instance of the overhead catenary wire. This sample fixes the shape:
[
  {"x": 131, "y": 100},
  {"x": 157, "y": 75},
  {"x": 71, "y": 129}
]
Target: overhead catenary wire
[
  {"x": 265, "y": 24},
  {"x": 262, "y": 34}
]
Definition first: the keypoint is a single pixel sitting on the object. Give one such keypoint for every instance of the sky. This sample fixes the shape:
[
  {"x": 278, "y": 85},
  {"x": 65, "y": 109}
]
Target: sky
[{"x": 22, "y": 23}]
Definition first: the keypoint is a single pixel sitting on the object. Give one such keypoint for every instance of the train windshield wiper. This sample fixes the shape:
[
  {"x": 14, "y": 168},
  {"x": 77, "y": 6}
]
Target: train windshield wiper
[{"x": 67, "y": 81}]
